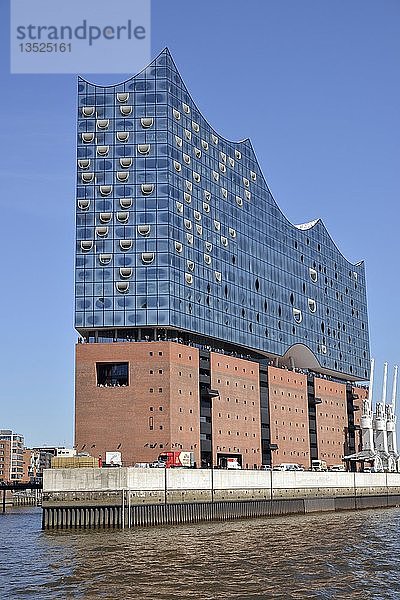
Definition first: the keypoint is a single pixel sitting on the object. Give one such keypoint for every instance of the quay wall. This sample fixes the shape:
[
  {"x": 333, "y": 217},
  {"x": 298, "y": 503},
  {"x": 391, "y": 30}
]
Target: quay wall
[{"x": 127, "y": 497}]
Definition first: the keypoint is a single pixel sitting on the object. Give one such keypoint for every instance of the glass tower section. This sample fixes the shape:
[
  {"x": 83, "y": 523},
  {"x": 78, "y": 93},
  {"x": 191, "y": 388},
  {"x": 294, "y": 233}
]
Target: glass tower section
[{"x": 176, "y": 229}]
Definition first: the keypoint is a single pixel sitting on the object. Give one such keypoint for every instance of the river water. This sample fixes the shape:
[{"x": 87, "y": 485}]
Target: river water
[{"x": 350, "y": 555}]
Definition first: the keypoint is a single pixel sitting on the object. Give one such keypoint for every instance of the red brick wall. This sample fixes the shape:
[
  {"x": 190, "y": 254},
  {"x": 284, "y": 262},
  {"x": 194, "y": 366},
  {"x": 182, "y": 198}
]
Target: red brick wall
[
  {"x": 184, "y": 399},
  {"x": 142, "y": 419},
  {"x": 331, "y": 420},
  {"x": 27, "y": 455},
  {"x": 236, "y": 426},
  {"x": 160, "y": 409},
  {"x": 21, "y": 460},
  {"x": 5, "y": 460},
  {"x": 288, "y": 409}
]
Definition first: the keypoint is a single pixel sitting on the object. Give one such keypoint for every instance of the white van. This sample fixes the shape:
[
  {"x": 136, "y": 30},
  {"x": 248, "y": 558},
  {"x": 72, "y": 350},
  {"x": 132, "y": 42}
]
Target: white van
[
  {"x": 319, "y": 465},
  {"x": 233, "y": 463},
  {"x": 288, "y": 467}
]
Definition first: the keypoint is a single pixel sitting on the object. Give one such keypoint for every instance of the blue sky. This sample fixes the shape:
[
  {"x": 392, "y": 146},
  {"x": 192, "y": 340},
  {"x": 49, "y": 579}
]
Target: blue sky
[{"x": 314, "y": 85}]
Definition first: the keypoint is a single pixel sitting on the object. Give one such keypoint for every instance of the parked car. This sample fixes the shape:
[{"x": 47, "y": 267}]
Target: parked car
[
  {"x": 337, "y": 468},
  {"x": 288, "y": 467},
  {"x": 319, "y": 465},
  {"x": 265, "y": 468}
]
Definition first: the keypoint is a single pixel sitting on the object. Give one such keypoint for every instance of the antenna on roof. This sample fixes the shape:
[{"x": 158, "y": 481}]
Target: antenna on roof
[
  {"x": 371, "y": 382},
  {"x": 394, "y": 390},
  {"x": 384, "y": 387}
]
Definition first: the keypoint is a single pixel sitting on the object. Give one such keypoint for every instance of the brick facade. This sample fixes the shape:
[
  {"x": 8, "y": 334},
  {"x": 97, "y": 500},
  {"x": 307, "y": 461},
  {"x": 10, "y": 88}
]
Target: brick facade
[
  {"x": 288, "y": 410},
  {"x": 236, "y": 427},
  {"x": 331, "y": 420},
  {"x": 14, "y": 459},
  {"x": 5, "y": 460},
  {"x": 157, "y": 411},
  {"x": 158, "y": 407}
]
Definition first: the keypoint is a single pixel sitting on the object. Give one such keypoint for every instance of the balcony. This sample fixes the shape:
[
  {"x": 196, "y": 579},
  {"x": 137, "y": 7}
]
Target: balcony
[
  {"x": 313, "y": 401},
  {"x": 208, "y": 393}
]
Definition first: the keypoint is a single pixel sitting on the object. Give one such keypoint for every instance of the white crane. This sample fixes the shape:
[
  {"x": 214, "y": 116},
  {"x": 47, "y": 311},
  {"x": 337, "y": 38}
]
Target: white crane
[
  {"x": 367, "y": 434},
  {"x": 391, "y": 426},
  {"x": 379, "y": 421},
  {"x": 378, "y": 429}
]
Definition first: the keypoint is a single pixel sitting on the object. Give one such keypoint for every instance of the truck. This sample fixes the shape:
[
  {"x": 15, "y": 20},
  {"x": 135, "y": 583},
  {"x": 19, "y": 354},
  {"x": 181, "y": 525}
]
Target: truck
[
  {"x": 181, "y": 458},
  {"x": 229, "y": 462},
  {"x": 233, "y": 463},
  {"x": 319, "y": 465},
  {"x": 114, "y": 459}
]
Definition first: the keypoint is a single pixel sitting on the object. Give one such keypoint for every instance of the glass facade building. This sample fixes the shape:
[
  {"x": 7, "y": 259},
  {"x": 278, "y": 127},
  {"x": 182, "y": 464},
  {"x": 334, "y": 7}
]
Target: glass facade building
[{"x": 176, "y": 230}]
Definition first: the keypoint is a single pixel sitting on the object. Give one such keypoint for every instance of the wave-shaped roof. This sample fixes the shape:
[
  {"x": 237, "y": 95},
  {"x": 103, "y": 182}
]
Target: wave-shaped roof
[
  {"x": 247, "y": 142},
  {"x": 308, "y": 227}
]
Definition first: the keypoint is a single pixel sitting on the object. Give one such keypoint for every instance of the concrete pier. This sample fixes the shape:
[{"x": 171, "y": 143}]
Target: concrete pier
[
  {"x": 128, "y": 497},
  {"x": 23, "y": 499}
]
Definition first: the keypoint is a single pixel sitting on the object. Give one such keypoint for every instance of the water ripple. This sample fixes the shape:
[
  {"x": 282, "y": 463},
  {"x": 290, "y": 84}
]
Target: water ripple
[{"x": 335, "y": 556}]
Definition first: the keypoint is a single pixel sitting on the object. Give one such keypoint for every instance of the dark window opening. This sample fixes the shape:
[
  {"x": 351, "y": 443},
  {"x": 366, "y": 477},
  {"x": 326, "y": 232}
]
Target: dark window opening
[{"x": 112, "y": 374}]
